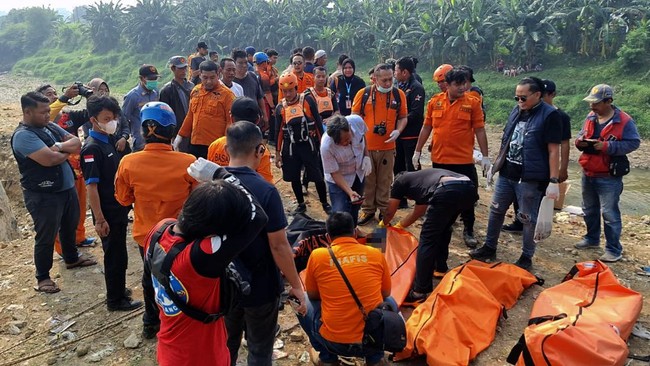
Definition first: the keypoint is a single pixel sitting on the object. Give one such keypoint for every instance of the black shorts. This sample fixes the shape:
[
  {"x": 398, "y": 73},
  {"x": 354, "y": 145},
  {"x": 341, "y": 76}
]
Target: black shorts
[{"x": 301, "y": 156}]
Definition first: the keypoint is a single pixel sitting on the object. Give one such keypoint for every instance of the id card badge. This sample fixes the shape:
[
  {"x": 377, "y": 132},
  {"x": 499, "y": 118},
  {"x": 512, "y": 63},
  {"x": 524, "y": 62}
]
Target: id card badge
[{"x": 348, "y": 104}]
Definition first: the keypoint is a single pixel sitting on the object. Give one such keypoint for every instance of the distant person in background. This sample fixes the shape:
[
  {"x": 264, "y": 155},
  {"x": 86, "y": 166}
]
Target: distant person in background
[
  {"x": 250, "y": 52},
  {"x": 274, "y": 77},
  {"x": 607, "y": 136},
  {"x": 264, "y": 77},
  {"x": 41, "y": 150},
  {"x": 228, "y": 75},
  {"x": 176, "y": 93},
  {"x": 249, "y": 82},
  {"x": 309, "y": 54},
  {"x": 305, "y": 80},
  {"x": 195, "y": 62},
  {"x": 346, "y": 86},
  {"x": 214, "y": 56},
  {"x": 339, "y": 70},
  {"x": 57, "y": 103},
  {"x": 415, "y": 66},
  {"x": 320, "y": 58},
  {"x": 145, "y": 92}
]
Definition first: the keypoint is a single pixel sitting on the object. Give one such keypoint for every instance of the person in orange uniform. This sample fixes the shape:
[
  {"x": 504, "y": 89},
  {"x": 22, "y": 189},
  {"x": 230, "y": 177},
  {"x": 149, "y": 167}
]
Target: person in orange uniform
[
  {"x": 439, "y": 76},
  {"x": 333, "y": 321},
  {"x": 263, "y": 71},
  {"x": 243, "y": 109},
  {"x": 304, "y": 79},
  {"x": 324, "y": 97},
  {"x": 156, "y": 181},
  {"x": 385, "y": 114},
  {"x": 455, "y": 118},
  {"x": 300, "y": 131},
  {"x": 209, "y": 112}
]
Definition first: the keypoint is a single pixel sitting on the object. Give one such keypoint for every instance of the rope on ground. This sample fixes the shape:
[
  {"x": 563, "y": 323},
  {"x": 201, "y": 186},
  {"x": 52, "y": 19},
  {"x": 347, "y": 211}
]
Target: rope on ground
[{"x": 127, "y": 316}]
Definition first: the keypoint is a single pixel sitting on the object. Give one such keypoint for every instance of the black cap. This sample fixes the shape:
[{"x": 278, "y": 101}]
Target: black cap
[
  {"x": 148, "y": 71},
  {"x": 202, "y": 45},
  {"x": 245, "y": 109},
  {"x": 549, "y": 86}
]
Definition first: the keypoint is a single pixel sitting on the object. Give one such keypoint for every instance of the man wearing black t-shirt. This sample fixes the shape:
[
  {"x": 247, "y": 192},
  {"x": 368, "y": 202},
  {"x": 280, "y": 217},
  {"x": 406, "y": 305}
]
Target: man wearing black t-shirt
[
  {"x": 528, "y": 165},
  {"x": 443, "y": 195}
]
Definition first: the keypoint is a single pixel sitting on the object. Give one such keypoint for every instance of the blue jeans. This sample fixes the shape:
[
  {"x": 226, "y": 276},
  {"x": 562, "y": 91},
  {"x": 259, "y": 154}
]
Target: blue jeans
[
  {"x": 528, "y": 195},
  {"x": 602, "y": 195},
  {"x": 341, "y": 201},
  {"x": 329, "y": 351}
]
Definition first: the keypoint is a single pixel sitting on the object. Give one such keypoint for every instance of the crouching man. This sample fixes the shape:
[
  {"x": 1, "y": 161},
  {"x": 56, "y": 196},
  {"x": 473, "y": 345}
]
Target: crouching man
[{"x": 333, "y": 321}]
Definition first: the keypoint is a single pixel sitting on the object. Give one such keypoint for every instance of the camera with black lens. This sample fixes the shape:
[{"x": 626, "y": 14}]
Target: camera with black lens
[
  {"x": 83, "y": 90},
  {"x": 380, "y": 129}
]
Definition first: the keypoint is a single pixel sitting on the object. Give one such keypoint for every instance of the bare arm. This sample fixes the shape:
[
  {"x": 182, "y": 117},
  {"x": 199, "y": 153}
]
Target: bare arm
[
  {"x": 101, "y": 226},
  {"x": 564, "y": 161},
  {"x": 71, "y": 144},
  {"x": 393, "y": 204},
  {"x": 401, "y": 124},
  {"x": 481, "y": 138},
  {"x": 283, "y": 257},
  {"x": 554, "y": 159},
  {"x": 418, "y": 211},
  {"x": 49, "y": 156}
]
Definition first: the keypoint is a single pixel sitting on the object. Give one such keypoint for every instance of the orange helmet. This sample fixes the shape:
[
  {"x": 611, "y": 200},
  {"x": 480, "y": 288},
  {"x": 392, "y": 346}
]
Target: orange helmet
[
  {"x": 441, "y": 71},
  {"x": 288, "y": 81}
]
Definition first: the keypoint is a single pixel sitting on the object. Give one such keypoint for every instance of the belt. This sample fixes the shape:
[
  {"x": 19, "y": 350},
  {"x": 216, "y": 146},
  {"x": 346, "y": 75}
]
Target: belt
[{"x": 455, "y": 183}]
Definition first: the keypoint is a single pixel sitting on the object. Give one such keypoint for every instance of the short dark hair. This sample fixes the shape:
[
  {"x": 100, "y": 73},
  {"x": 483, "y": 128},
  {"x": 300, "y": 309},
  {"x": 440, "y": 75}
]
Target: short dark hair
[
  {"x": 96, "y": 104},
  {"x": 335, "y": 125},
  {"x": 296, "y": 50},
  {"x": 320, "y": 68},
  {"x": 406, "y": 63},
  {"x": 208, "y": 65},
  {"x": 223, "y": 61},
  {"x": 271, "y": 52},
  {"x": 237, "y": 53},
  {"x": 380, "y": 67},
  {"x": 31, "y": 100},
  {"x": 296, "y": 54},
  {"x": 155, "y": 132},
  {"x": 342, "y": 57},
  {"x": 339, "y": 224},
  {"x": 415, "y": 62},
  {"x": 456, "y": 74},
  {"x": 213, "y": 53},
  {"x": 242, "y": 138},
  {"x": 371, "y": 71},
  {"x": 309, "y": 52},
  {"x": 42, "y": 88},
  {"x": 214, "y": 208},
  {"x": 535, "y": 84},
  {"x": 245, "y": 109}
]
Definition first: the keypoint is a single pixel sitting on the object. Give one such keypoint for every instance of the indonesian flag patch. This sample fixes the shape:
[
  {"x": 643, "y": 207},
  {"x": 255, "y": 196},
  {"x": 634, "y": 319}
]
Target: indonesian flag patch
[{"x": 89, "y": 158}]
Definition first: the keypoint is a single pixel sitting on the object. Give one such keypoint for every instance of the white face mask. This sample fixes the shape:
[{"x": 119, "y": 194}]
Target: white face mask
[
  {"x": 109, "y": 127},
  {"x": 383, "y": 90}
]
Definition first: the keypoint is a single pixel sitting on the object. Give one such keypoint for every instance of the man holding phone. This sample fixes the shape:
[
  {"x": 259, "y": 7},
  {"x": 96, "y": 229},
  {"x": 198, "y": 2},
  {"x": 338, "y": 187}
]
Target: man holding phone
[{"x": 346, "y": 162}]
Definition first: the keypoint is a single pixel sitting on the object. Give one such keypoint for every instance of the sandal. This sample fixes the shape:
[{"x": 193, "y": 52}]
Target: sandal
[
  {"x": 47, "y": 286},
  {"x": 82, "y": 262}
]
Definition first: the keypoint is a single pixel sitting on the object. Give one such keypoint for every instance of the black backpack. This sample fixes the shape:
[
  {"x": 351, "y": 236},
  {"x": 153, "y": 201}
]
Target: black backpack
[{"x": 232, "y": 285}]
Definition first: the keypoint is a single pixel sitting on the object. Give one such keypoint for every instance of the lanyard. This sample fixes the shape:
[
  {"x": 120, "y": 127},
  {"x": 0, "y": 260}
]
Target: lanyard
[{"x": 348, "y": 87}]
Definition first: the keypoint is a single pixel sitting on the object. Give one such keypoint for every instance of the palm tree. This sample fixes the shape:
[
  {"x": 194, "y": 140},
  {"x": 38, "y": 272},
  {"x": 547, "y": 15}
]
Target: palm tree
[
  {"x": 145, "y": 21},
  {"x": 104, "y": 24}
]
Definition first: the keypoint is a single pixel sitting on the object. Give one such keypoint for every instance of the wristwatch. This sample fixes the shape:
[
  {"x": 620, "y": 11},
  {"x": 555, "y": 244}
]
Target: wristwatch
[
  {"x": 59, "y": 145},
  {"x": 554, "y": 180}
]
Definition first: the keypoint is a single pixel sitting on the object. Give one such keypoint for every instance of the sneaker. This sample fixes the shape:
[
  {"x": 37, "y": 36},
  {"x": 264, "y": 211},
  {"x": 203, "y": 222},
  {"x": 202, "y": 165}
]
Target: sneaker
[
  {"x": 484, "y": 254},
  {"x": 609, "y": 257},
  {"x": 583, "y": 244},
  {"x": 88, "y": 242},
  {"x": 301, "y": 208},
  {"x": 469, "y": 239},
  {"x": 365, "y": 218},
  {"x": 514, "y": 227},
  {"x": 149, "y": 331},
  {"x": 524, "y": 262},
  {"x": 327, "y": 208},
  {"x": 414, "y": 298}
]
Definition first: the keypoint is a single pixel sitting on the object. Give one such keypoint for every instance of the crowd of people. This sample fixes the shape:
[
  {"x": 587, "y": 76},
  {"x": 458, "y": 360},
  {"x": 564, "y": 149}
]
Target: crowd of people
[{"x": 192, "y": 159}]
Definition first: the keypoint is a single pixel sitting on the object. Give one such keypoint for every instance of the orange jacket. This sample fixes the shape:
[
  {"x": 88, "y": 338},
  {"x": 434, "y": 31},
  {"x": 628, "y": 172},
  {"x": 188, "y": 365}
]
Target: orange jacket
[
  {"x": 208, "y": 115},
  {"x": 217, "y": 153},
  {"x": 156, "y": 180}
]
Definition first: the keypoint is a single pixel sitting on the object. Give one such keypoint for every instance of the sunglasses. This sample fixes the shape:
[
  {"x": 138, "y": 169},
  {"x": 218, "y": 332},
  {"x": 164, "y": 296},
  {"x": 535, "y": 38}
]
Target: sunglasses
[{"x": 522, "y": 99}]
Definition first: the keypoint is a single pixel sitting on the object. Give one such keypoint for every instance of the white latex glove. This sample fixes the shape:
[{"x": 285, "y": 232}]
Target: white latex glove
[
  {"x": 485, "y": 164},
  {"x": 366, "y": 166},
  {"x": 490, "y": 176},
  {"x": 393, "y": 136},
  {"x": 202, "y": 170},
  {"x": 553, "y": 191},
  {"x": 177, "y": 141},
  {"x": 416, "y": 160}
]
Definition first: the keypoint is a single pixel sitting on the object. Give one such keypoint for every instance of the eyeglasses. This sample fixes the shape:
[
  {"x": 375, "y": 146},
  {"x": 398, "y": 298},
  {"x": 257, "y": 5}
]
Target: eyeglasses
[
  {"x": 522, "y": 99},
  {"x": 297, "y": 62}
]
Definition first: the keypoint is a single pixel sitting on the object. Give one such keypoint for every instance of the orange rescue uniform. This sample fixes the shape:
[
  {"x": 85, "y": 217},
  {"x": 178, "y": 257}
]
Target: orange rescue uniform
[
  {"x": 156, "y": 180},
  {"x": 217, "y": 153},
  {"x": 208, "y": 115},
  {"x": 453, "y": 127},
  {"x": 367, "y": 271},
  {"x": 304, "y": 82},
  {"x": 376, "y": 113}
]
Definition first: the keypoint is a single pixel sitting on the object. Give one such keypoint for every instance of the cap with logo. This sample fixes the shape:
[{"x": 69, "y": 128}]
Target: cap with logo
[
  {"x": 178, "y": 61},
  {"x": 598, "y": 93},
  {"x": 148, "y": 71},
  {"x": 320, "y": 53}
]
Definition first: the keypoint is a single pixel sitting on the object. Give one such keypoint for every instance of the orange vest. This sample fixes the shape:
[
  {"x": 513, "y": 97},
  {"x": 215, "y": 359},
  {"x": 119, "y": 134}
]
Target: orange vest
[{"x": 324, "y": 103}]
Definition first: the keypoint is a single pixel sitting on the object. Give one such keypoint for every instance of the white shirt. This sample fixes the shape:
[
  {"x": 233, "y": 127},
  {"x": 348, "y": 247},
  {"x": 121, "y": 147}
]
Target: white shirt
[
  {"x": 345, "y": 159},
  {"x": 236, "y": 89}
]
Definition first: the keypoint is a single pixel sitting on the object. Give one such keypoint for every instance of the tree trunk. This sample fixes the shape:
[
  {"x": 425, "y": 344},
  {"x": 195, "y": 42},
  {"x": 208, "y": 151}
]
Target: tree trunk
[{"x": 8, "y": 224}]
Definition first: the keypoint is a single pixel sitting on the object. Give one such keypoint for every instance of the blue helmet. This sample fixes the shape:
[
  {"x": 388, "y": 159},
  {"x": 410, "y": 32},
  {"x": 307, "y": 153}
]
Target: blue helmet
[
  {"x": 159, "y": 112},
  {"x": 260, "y": 57}
]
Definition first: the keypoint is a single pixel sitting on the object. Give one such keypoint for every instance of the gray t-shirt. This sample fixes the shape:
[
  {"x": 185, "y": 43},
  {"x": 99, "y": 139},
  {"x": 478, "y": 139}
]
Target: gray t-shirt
[
  {"x": 26, "y": 142},
  {"x": 251, "y": 86}
]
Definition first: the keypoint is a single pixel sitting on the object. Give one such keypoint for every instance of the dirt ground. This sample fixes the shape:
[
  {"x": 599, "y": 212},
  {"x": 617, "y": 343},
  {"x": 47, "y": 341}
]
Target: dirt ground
[{"x": 28, "y": 319}]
